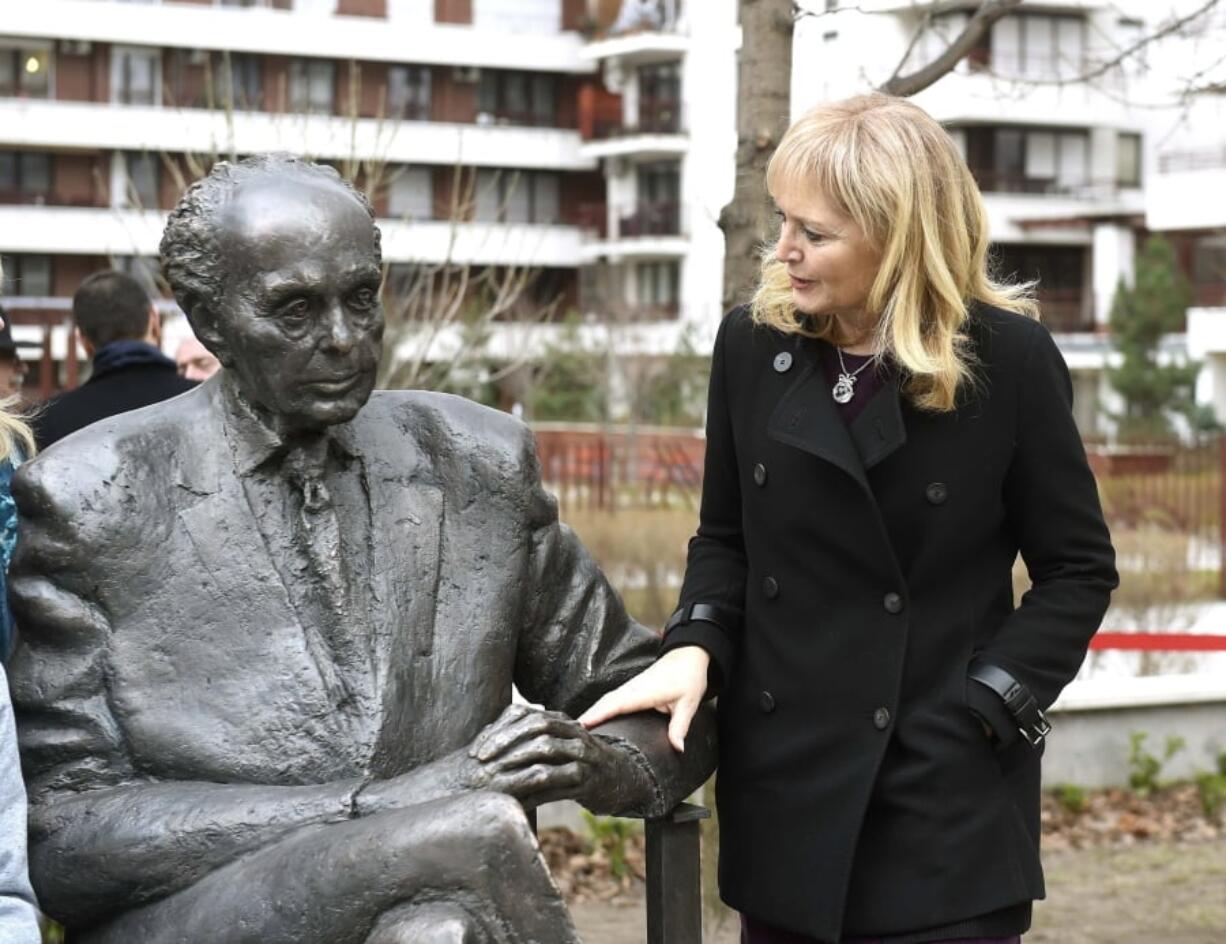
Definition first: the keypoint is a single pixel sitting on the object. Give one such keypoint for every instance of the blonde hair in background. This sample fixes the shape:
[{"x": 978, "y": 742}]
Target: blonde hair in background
[
  {"x": 885, "y": 163},
  {"x": 14, "y": 430}
]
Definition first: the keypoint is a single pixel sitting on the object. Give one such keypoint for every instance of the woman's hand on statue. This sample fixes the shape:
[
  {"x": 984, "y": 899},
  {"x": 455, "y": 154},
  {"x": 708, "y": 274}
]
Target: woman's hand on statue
[{"x": 675, "y": 685}]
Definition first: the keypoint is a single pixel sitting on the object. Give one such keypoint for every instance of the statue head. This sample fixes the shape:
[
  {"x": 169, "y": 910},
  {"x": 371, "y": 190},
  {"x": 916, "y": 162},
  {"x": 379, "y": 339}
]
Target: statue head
[{"x": 277, "y": 264}]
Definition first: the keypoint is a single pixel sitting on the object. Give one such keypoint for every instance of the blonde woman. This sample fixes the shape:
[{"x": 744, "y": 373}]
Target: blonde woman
[{"x": 888, "y": 429}]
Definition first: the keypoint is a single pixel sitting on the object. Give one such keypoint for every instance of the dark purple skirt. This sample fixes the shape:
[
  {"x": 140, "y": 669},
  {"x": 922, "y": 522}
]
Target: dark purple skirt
[{"x": 755, "y": 932}]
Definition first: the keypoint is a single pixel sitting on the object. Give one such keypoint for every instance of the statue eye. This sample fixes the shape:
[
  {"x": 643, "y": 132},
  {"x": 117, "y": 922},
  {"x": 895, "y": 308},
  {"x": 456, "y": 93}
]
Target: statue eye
[
  {"x": 363, "y": 298},
  {"x": 295, "y": 310}
]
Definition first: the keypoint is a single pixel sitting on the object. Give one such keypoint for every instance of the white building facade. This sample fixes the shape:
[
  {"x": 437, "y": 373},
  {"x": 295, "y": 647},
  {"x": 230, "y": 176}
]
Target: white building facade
[
  {"x": 1071, "y": 137},
  {"x": 470, "y": 123}
]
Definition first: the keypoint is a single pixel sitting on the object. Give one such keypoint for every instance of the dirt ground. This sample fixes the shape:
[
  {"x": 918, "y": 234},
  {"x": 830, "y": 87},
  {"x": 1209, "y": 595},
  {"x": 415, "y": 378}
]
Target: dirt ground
[{"x": 1151, "y": 893}]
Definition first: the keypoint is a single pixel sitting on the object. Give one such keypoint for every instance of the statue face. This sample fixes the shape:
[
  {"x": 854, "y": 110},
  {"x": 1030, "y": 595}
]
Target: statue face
[{"x": 299, "y": 321}]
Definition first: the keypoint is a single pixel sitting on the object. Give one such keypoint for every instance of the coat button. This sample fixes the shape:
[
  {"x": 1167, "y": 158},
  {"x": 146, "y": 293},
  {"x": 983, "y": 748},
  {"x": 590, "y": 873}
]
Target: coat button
[
  {"x": 881, "y": 719},
  {"x": 766, "y": 701},
  {"x": 783, "y": 362},
  {"x": 770, "y": 587},
  {"x": 936, "y": 493},
  {"x": 892, "y": 603},
  {"x": 759, "y": 474}
]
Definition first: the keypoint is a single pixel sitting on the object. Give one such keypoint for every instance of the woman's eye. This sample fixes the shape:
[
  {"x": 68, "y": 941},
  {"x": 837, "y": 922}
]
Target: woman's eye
[{"x": 812, "y": 236}]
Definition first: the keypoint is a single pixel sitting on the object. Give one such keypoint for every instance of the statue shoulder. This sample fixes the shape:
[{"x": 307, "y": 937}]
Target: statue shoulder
[
  {"x": 443, "y": 420},
  {"x": 117, "y": 455}
]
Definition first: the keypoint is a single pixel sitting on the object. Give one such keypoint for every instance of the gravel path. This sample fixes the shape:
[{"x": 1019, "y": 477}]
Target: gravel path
[{"x": 1154, "y": 893}]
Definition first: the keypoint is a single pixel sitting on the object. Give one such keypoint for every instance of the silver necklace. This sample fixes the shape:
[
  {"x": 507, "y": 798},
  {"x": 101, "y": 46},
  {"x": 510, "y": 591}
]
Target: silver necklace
[{"x": 845, "y": 387}]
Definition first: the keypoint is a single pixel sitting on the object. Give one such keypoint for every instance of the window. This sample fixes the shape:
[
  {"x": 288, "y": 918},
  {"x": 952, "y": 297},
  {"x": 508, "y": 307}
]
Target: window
[
  {"x": 514, "y": 196},
  {"x": 657, "y": 286},
  {"x": 24, "y": 175},
  {"x": 517, "y": 98},
  {"x": 408, "y": 92},
  {"x": 660, "y": 98},
  {"x": 1128, "y": 160},
  {"x": 411, "y": 194},
  {"x": 26, "y": 275},
  {"x": 312, "y": 86},
  {"x": 134, "y": 75},
  {"x": 25, "y": 73},
  {"x": 238, "y": 81},
  {"x": 1038, "y": 46},
  {"x": 142, "y": 268},
  {"x": 518, "y": 16},
  {"x": 141, "y": 191},
  {"x": 1019, "y": 160}
]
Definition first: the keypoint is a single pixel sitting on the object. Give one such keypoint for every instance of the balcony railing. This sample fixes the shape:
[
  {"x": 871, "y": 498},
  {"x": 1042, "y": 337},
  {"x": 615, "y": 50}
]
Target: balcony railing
[
  {"x": 1175, "y": 161},
  {"x": 658, "y": 118},
  {"x": 1209, "y": 294},
  {"x": 660, "y": 16},
  {"x": 1066, "y": 310},
  {"x": 991, "y": 181},
  {"x": 661, "y": 218}
]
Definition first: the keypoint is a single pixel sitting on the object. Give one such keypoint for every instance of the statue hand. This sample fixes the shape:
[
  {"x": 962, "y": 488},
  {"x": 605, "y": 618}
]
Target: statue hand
[{"x": 539, "y": 756}]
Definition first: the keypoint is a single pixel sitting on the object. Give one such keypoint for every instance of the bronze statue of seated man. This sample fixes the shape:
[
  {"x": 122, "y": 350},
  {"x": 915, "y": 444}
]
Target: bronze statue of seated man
[{"x": 270, "y": 628}]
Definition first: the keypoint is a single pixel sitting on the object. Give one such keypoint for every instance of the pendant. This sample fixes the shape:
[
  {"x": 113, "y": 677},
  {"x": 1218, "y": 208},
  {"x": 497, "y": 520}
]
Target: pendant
[{"x": 844, "y": 389}]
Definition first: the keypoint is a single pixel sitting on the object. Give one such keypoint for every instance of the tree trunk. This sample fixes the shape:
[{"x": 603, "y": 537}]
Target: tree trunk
[{"x": 763, "y": 92}]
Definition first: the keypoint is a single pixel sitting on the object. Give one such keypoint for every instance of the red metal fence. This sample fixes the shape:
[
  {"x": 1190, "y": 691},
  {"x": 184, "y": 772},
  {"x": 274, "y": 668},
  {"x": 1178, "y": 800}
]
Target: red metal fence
[{"x": 590, "y": 467}]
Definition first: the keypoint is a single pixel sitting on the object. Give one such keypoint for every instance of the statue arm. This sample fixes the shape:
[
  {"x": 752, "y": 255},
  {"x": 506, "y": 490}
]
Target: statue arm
[{"x": 578, "y": 642}]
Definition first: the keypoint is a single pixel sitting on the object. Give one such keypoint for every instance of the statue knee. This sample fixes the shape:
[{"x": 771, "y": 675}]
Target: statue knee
[
  {"x": 492, "y": 822},
  {"x": 434, "y": 923}
]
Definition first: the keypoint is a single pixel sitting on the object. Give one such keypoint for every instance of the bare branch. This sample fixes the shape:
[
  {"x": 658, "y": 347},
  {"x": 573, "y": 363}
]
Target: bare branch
[{"x": 976, "y": 28}]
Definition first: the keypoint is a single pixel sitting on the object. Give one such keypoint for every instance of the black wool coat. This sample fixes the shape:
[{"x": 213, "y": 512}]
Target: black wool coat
[{"x": 856, "y": 571}]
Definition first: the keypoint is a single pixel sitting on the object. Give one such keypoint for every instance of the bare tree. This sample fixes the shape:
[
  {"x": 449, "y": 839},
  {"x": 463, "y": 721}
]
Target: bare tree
[
  {"x": 763, "y": 93},
  {"x": 763, "y": 101}
]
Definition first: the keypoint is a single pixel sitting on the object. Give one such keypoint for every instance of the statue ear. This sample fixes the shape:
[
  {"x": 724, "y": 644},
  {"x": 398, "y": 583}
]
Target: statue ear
[{"x": 204, "y": 324}]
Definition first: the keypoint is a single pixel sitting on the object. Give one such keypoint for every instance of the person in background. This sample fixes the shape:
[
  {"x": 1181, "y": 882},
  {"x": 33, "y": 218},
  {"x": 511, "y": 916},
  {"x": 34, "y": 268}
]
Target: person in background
[
  {"x": 18, "y": 913},
  {"x": 195, "y": 361},
  {"x": 888, "y": 427},
  {"x": 120, "y": 330},
  {"x": 12, "y": 367}
]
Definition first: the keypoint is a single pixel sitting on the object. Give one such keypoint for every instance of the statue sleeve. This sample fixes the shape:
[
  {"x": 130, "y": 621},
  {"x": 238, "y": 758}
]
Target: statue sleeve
[
  {"x": 578, "y": 642},
  {"x": 68, "y": 735}
]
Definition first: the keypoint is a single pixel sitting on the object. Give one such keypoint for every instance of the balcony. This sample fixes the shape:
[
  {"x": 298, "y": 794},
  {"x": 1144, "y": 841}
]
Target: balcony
[
  {"x": 1066, "y": 310},
  {"x": 107, "y": 232},
  {"x": 641, "y": 35},
  {"x": 661, "y": 218},
  {"x": 1176, "y": 196},
  {"x": 141, "y": 128},
  {"x": 281, "y": 32},
  {"x": 650, "y": 230},
  {"x": 654, "y": 139}
]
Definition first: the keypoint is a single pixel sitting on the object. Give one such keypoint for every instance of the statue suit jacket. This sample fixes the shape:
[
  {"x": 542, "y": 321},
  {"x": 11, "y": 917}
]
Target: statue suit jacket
[{"x": 161, "y": 651}]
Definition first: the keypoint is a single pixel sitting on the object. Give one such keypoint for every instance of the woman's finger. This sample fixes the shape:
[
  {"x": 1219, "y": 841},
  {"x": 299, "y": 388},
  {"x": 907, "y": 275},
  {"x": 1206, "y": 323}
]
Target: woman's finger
[{"x": 679, "y": 723}]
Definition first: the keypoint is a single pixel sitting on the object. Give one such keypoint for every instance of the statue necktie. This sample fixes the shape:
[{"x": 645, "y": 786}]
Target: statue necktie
[{"x": 317, "y": 530}]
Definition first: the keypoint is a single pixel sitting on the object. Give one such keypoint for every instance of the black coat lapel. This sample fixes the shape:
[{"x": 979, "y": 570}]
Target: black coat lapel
[
  {"x": 878, "y": 430},
  {"x": 807, "y": 418}
]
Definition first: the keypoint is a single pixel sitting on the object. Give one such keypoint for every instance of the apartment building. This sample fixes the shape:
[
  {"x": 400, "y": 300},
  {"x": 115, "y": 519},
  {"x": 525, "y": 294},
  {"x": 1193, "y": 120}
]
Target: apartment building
[
  {"x": 482, "y": 130},
  {"x": 1070, "y": 167}
]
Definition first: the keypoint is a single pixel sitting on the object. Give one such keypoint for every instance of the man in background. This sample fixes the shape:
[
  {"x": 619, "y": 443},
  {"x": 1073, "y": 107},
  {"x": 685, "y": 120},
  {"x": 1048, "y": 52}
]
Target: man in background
[
  {"x": 195, "y": 361},
  {"x": 120, "y": 330},
  {"x": 12, "y": 367}
]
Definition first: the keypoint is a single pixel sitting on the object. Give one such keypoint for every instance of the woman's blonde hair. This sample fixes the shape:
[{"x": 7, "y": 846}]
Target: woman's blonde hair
[
  {"x": 887, "y": 165},
  {"x": 14, "y": 430}
]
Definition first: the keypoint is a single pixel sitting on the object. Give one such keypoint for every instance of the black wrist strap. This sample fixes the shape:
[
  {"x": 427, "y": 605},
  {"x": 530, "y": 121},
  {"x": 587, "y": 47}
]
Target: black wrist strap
[
  {"x": 1019, "y": 700},
  {"x": 699, "y": 612}
]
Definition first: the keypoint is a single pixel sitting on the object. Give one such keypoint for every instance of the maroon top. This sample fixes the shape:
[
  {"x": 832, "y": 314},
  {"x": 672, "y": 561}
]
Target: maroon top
[
  {"x": 754, "y": 932},
  {"x": 866, "y": 384}
]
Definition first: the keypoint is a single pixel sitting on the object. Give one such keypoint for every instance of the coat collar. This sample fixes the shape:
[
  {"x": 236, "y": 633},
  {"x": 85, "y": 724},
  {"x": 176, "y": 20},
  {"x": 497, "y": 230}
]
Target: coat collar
[{"x": 806, "y": 417}]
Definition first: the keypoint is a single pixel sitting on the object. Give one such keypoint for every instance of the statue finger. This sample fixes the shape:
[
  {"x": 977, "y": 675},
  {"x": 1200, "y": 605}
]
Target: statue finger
[
  {"x": 544, "y": 750},
  {"x": 532, "y": 725}
]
